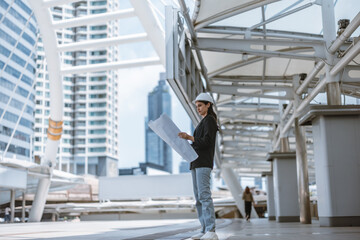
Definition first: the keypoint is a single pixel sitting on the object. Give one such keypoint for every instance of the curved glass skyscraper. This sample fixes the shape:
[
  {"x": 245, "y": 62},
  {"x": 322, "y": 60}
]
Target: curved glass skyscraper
[{"x": 18, "y": 37}]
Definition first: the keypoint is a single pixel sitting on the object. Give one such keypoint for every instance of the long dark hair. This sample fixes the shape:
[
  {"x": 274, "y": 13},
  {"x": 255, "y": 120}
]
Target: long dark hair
[{"x": 210, "y": 110}]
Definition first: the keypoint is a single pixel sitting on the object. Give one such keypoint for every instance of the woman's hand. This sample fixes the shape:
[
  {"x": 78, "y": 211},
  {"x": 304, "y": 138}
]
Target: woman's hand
[{"x": 186, "y": 136}]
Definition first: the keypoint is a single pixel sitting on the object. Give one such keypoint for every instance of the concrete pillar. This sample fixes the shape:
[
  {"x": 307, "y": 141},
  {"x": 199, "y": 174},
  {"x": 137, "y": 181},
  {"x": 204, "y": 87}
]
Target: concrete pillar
[
  {"x": 285, "y": 186},
  {"x": 336, "y": 132},
  {"x": 23, "y": 207},
  {"x": 270, "y": 195},
  {"x": 12, "y": 205}
]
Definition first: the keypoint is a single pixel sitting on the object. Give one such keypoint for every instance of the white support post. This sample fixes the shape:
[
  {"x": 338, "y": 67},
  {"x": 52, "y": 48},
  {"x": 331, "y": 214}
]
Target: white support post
[
  {"x": 301, "y": 163},
  {"x": 12, "y": 204},
  {"x": 328, "y": 20},
  {"x": 44, "y": 20},
  {"x": 23, "y": 206},
  {"x": 39, "y": 200}
]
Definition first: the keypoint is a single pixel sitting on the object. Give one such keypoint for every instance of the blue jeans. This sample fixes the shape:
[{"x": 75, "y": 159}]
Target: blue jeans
[{"x": 204, "y": 203}]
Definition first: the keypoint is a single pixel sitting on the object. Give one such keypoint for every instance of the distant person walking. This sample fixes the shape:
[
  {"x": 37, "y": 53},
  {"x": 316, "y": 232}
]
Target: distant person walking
[
  {"x": 7, "y": 214},
  {"x": 248, "y": 199},
  {"x": 203, "y": 143}
]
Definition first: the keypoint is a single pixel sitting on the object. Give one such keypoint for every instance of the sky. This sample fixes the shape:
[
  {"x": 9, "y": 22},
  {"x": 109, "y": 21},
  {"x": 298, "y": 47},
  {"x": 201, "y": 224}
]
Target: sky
[
  {"x": 136, "y": 83},
  {"x": 134, "y": 86}
]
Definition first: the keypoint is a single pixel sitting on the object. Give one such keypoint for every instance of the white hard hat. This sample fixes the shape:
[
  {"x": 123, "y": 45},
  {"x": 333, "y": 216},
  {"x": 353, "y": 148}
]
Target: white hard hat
[{"x": 203, "y": 97}]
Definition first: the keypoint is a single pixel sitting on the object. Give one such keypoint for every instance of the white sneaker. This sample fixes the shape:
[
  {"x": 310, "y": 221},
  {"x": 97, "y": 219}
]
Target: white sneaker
[
  {"x": 197, "y": 236},
  {"x": 210, "y": 236}
]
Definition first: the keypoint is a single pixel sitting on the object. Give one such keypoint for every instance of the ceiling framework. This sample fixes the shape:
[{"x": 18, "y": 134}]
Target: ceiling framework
[{"x": 263, "y": 77}]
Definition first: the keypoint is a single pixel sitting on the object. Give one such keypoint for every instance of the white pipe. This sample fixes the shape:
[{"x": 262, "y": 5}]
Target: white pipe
[
  {"x": 287, "y": 126},
  {"x": 350, "y": 55},
  {"x": 310, "y": 77},
  {"x": 346, "y": 34},
  {"x": 311, "y": 96},
  {"x": 300, "y": 108},
  {"x": 287, "y": 110}
]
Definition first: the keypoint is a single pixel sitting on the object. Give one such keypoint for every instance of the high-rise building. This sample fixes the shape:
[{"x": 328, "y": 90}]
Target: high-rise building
[
  {"x": 18, "y": 37},
  {"x": 89, "y": 144},
  {"x": 158, "y": 153}
]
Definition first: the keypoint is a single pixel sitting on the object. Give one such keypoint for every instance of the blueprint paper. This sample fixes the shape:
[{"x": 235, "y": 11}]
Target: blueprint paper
[{"x": 166, "y": 129}]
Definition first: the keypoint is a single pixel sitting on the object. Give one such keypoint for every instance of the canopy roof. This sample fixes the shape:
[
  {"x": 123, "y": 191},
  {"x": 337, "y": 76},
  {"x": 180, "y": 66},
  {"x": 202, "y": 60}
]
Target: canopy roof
[{"x": 254, "y": 54}]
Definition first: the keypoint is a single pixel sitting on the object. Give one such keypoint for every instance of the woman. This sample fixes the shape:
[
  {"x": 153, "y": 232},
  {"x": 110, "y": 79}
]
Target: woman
[
  {"x": 203, "y": 143},
  {"x": 248, "y": 198}
]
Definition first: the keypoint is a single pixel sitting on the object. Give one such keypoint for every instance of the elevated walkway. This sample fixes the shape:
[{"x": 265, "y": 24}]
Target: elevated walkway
[{"x": 227, "y": 229}]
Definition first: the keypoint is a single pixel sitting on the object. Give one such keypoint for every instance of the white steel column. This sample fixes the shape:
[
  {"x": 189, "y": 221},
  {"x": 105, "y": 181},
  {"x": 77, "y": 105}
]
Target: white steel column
[
  {"x": 23, "y": 206},
  {"x": 12, "y": 204},
  {"x": 301, "y": 163},
  {"x": 328, "y": 20},
  {"x": 44, "y": 20}
]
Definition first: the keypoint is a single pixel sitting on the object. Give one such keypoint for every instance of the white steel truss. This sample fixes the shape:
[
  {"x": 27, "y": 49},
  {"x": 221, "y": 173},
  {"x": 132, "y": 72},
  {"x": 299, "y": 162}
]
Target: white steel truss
[
  {"x": 154, "y": 32},
  {"x": 260, "y": 76}
]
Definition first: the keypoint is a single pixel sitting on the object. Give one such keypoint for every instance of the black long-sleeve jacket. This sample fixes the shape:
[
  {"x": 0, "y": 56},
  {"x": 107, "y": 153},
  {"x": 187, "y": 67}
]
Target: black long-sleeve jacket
[{"x": 204, "y": 144}]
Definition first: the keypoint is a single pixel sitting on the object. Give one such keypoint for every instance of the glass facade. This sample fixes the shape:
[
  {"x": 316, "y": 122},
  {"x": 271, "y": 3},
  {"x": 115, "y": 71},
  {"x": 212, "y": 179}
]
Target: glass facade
[
  {"x": 18, "y": 36},
  {"x": 158, "y": 153}
]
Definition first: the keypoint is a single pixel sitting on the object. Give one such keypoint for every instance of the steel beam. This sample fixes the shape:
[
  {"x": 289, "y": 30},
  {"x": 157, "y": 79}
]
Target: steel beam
[
  {"x": 254, "y": 79},
  {"x": 242, "y": 31},
  {"x": 94, "y": 19},
  {"x": 241, "y": 8},
  {"x": 254, "y": 106},
  {"x": 110, "y": 66},
  {"x": 100, "y": 43},
  {"x": 273, "y": 87},
  {"x": 230, "y": 90},
  {"x": 310, "y": 77},
  {"x": 152, "y": 26},
  {"x": 346, "y": 34},
  {"x": 251, "y": 47},
  {"x": 277, "y": 17},
  {"x": 344, "y": 61},
  {"x": 53, "y": 3}
]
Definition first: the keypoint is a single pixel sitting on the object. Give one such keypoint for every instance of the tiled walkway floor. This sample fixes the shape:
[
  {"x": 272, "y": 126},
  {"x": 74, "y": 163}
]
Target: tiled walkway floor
[{"x": 174, "y": 229}]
